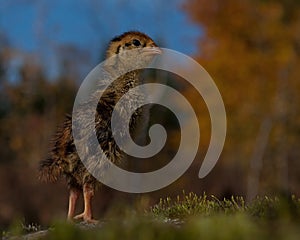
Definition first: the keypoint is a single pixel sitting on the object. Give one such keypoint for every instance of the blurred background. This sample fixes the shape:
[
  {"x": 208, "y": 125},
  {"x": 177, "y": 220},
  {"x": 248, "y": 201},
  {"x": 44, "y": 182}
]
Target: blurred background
[{"x": 251, "y": 48}]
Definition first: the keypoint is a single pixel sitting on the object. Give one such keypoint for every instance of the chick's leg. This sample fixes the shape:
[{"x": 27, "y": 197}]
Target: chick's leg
[
  {"x": 74, "y": 194},
  {"x": 88, "y": 193}
]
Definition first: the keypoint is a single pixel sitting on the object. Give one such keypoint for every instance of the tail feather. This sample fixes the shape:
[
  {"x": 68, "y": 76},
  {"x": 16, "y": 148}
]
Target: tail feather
[{"x": 49, "y": 170}]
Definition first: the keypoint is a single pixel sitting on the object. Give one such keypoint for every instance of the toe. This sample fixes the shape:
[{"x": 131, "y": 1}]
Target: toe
[
  {"x": 90, "y": 220},
  {"x": 79, "y": 216},
  {"x": 85, "y": 218}
]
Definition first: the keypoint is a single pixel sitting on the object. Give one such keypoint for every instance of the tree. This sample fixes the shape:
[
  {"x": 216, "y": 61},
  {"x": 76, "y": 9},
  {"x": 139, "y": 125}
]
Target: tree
[{"x": 251, "y": 48}]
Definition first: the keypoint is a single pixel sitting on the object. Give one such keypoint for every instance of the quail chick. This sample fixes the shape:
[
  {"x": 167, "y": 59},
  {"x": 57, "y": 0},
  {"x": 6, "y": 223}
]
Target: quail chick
[{"x": 63, "y": 159}]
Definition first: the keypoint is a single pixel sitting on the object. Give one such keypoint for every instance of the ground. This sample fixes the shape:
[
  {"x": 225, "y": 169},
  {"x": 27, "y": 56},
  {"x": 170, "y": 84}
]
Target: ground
[{"x": 187, "y": 217}]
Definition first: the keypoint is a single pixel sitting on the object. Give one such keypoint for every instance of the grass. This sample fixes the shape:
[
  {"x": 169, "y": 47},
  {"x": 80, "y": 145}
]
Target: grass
[
  {"x": 196, "y": 217},
  {"x": 189, "y": 205}
]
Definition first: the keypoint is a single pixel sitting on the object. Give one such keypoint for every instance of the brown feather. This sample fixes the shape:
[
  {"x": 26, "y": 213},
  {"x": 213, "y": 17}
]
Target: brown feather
[{"x": 63, "y": 158}]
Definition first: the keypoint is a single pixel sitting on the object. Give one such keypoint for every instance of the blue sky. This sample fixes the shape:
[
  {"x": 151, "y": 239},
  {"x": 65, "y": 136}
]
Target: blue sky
[{"x": 41, "y": 27}]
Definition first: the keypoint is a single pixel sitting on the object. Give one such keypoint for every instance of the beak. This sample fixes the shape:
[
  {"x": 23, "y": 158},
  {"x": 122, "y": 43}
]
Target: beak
[{"x": 152, "y": 51}]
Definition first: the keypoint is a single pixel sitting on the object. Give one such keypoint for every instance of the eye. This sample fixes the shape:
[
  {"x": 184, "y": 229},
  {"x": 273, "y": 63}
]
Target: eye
[{"x": 136, "y": 42}]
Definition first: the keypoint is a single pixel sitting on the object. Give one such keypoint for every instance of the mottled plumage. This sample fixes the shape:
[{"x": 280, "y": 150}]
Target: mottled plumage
[{"x": 63, "y": 158}]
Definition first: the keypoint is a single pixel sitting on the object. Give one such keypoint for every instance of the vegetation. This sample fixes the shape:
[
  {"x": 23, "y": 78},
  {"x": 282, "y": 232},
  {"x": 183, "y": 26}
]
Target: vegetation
[
  {"x": 191, "y": 217},
  {"x": 251, "y": 49}
]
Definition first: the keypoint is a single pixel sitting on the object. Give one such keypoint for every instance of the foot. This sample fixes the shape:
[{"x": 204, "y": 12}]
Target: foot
[{"x": 86, "y": 218}]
